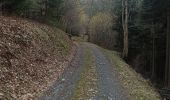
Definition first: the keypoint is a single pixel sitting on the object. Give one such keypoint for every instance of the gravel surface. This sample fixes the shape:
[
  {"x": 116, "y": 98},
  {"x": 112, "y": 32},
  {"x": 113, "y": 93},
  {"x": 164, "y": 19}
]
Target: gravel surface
[
  {"x": 109, "y": 87},
  {"x": 63, "y": 88}
]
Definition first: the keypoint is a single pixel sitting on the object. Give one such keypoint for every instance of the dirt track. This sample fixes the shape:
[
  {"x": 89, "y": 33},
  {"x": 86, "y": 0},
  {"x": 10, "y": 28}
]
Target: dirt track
[{"x": 108, "y": 85}]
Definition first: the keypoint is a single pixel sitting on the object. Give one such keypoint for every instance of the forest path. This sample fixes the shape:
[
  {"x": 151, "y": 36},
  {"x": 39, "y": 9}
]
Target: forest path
[{"x": 89, "y": 77}]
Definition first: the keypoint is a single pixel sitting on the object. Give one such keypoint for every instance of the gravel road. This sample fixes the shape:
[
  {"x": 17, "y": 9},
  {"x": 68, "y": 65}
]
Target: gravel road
[{"x": 109, "y": 87}]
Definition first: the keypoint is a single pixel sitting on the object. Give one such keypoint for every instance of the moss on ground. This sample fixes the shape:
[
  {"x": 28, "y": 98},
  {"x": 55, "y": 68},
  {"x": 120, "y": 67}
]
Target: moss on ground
[
  {"x": 136, "y": 85},
  {"x": 86, "y": 87}
]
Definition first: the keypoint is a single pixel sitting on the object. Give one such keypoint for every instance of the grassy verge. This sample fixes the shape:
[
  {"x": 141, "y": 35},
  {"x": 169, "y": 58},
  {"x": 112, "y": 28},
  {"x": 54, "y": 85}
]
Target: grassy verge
[
  {"x": 136, "y": 85},
  {"x": 80, "y": 38},
  {"x": 87, "y": 86}
]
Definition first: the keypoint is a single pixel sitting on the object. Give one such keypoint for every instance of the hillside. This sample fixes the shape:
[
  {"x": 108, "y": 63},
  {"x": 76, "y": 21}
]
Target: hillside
[{"x": 32, "y": 57}]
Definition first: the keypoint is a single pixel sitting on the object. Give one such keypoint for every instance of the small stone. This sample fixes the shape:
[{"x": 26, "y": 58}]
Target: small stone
[
  {"x": 1, "y": 94},
  {"x": 27, "y": 97},
  {"x": 63, "y": 79},
  {"x": 102, "y": 63}
]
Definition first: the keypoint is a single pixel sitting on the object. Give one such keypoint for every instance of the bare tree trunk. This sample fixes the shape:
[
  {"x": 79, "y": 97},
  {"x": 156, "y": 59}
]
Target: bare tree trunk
[
  {"x": 0, "y": 7},
  {"x": 153, "y": 50},
  {"x": 45, "y": 8},
  {"x": 91, "y": 14},
  {"x": 167, "y": 68},
  {"x": 125, "y": 27},
  {"x": 2, "y": 2},
  {"x": 123, "y": 15}
]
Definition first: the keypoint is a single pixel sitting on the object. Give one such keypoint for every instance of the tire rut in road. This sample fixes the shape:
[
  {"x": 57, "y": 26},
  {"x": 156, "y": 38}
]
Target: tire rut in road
[
  {"x": 87, "y": 88},
  {"x": 64, "y": 87},
  {"x": 108, "y": 84}
]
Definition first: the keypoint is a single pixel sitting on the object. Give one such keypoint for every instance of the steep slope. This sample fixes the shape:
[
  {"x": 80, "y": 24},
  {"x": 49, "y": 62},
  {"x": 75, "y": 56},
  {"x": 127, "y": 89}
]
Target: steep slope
[{"x": 32, "y": 56}]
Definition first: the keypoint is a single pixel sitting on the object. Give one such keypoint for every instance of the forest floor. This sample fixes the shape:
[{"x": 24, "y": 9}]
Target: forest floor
[
  {"x": 99, "y": 74},
  {"x": 32, "y": 57}
]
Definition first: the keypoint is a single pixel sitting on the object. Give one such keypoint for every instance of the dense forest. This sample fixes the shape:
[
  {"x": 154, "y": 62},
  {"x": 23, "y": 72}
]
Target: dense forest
[{"x": 138, "y": 29}]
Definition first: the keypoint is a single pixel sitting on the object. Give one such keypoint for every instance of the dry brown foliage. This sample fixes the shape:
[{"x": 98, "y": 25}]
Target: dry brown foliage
[{"x": 32, "y": 57}]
